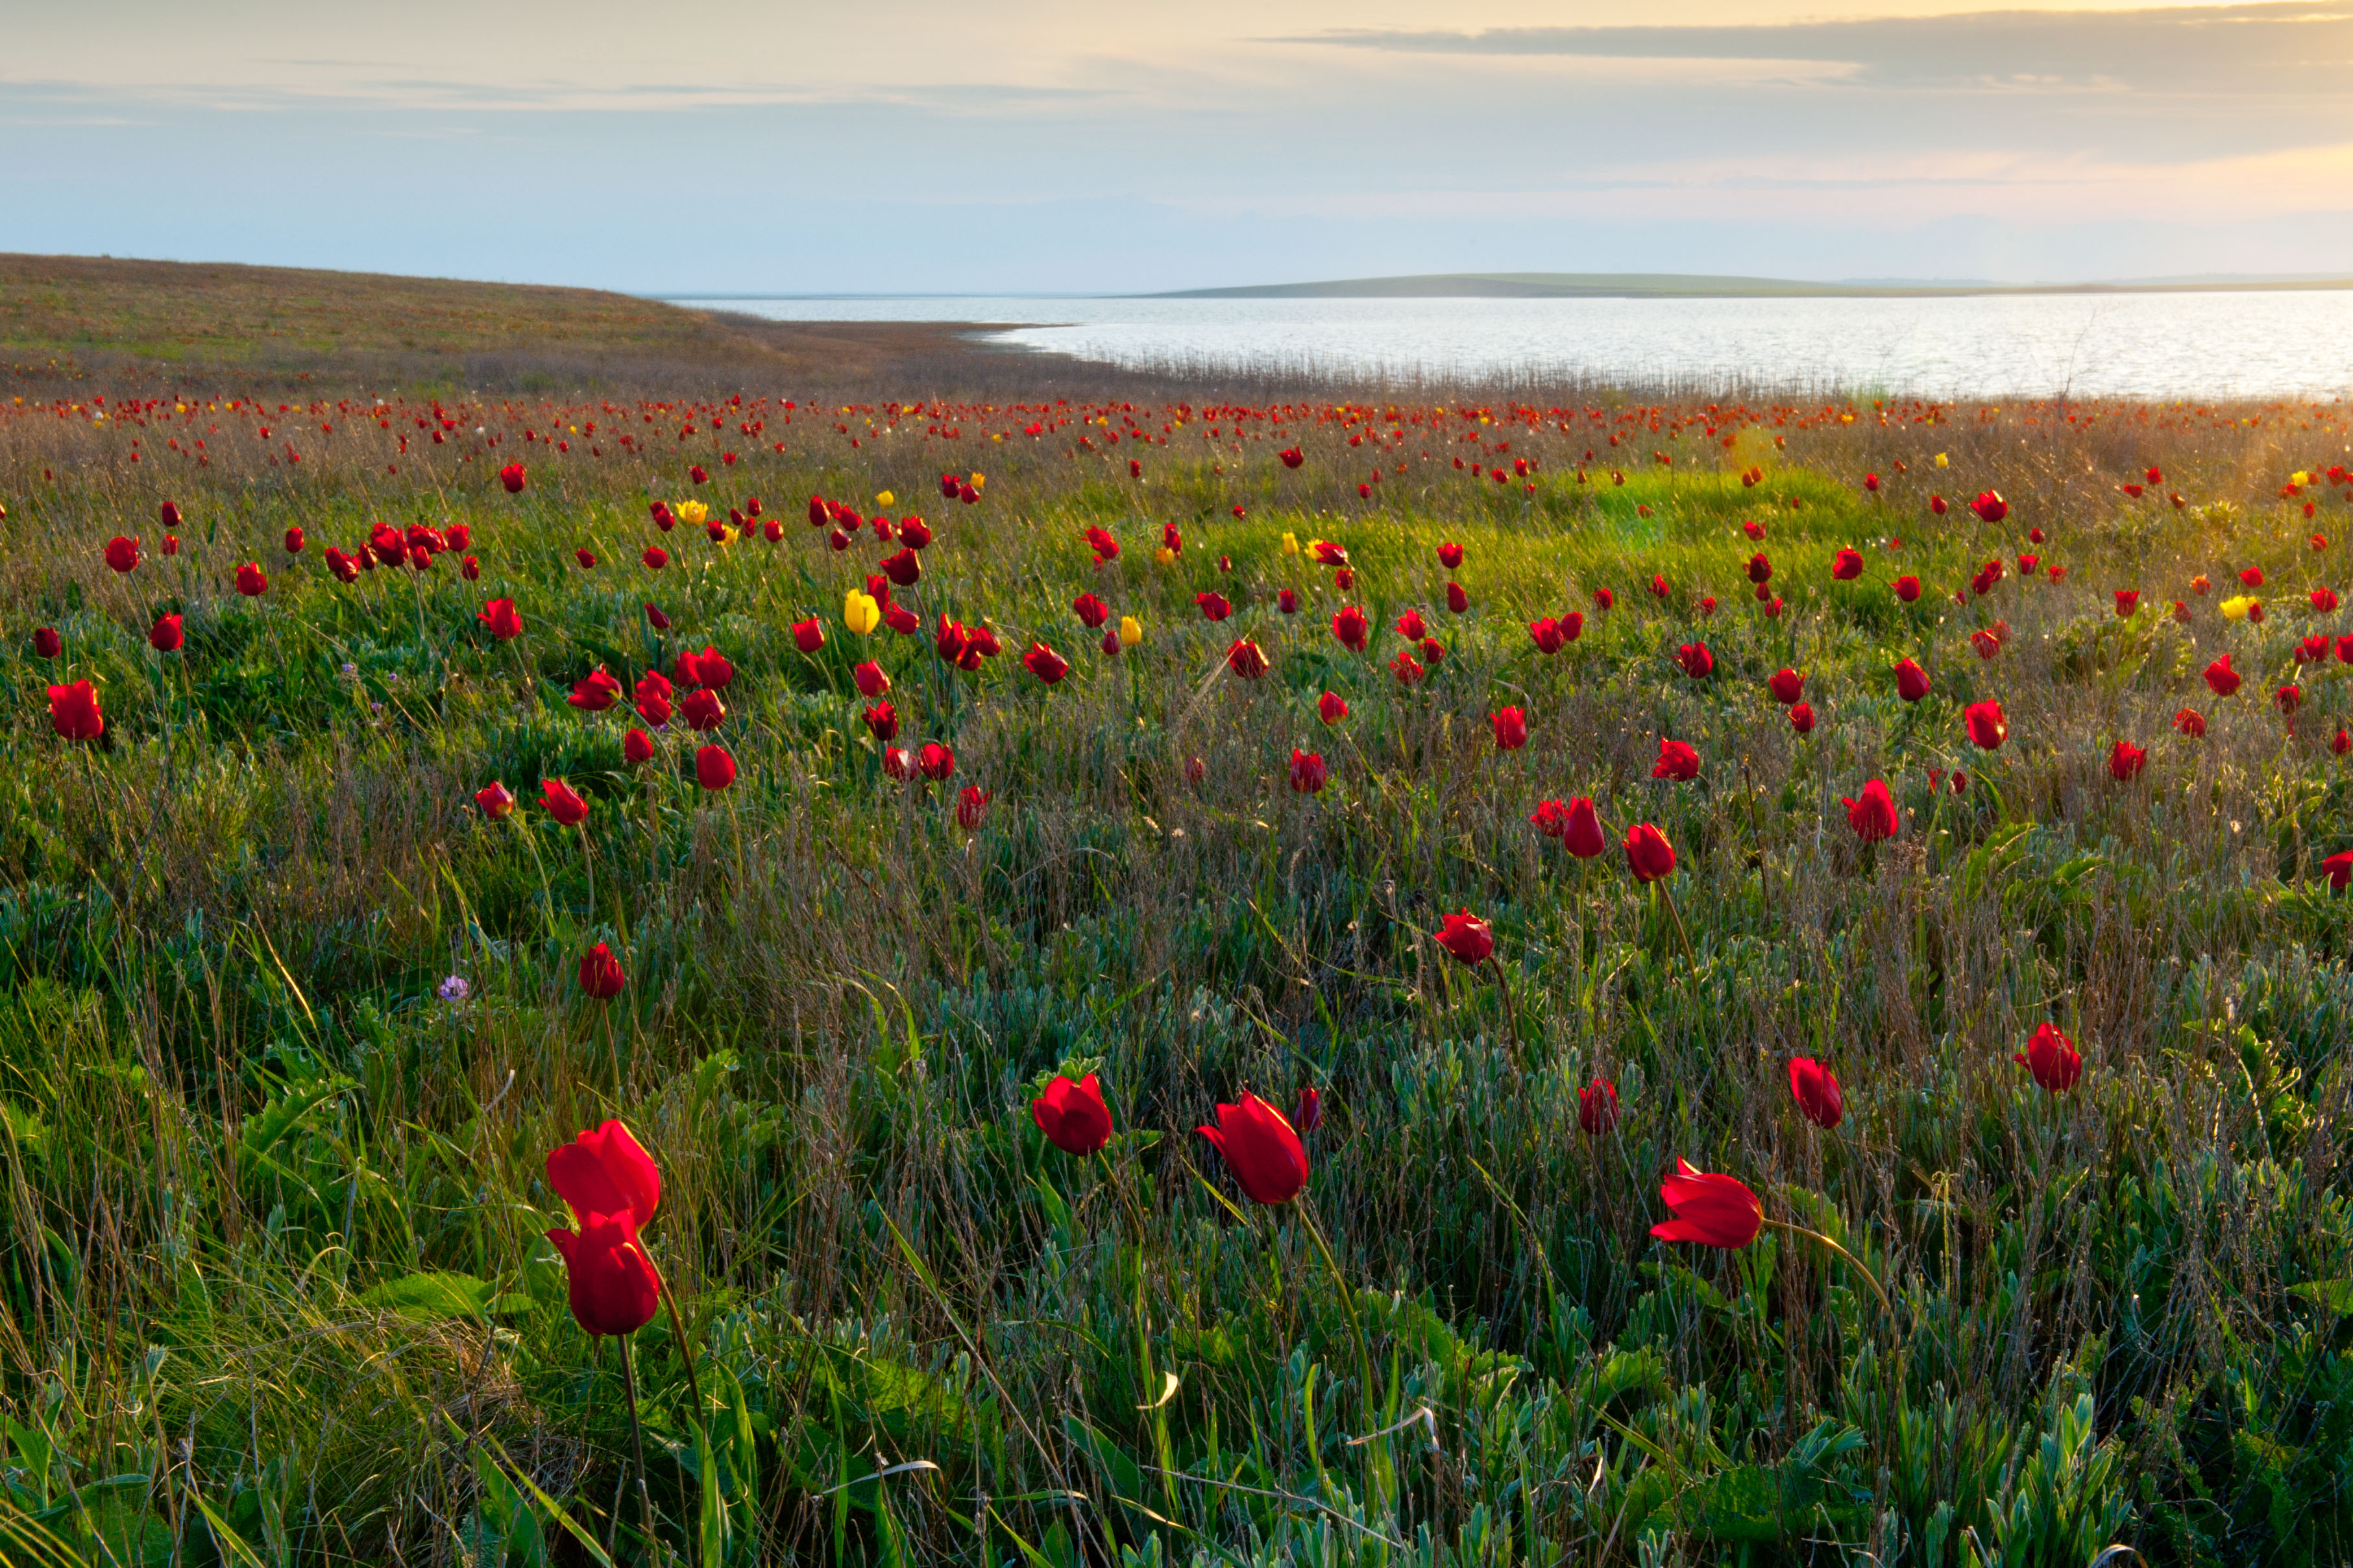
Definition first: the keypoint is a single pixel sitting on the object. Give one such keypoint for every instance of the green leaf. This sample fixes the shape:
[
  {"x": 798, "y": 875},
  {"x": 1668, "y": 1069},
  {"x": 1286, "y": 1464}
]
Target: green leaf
[
  {"x": 430, "y": 1297},
  {"x": 2332, "y": 1295}
]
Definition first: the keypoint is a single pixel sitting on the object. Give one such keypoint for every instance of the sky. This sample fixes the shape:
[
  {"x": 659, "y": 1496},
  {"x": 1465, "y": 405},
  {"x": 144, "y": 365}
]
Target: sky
[{"x": 1038, "y": 146}]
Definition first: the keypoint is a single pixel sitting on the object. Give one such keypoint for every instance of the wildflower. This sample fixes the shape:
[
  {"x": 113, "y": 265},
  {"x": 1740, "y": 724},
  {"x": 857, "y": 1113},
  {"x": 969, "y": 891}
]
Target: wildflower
[
  {"x": 1268, "y": 1161},
  {"x": 2052, "y": 1057},
  {"x": 1816, "y": 1092},
  {"x": 1073, "y": 1115},
  {"x": 1713, "y": 1210}
]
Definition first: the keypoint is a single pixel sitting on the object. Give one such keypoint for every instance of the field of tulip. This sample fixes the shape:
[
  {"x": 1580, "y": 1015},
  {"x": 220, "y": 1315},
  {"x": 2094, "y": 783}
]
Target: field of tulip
[{"x": 1168, "y": 979}]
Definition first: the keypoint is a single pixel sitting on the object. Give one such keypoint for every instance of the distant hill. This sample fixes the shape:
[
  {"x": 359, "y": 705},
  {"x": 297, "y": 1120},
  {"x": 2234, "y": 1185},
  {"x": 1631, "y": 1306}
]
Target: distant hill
[{"x": 1695, "y": 285}]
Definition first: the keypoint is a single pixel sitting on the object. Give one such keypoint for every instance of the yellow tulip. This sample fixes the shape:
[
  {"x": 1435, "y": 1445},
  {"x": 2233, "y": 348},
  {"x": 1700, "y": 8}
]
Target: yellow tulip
[
  {"x": 980, "y": 482},
  {"x": 1291, "y": 545},
  {"x": 1164, "y": 556},
  {"x": 2299, "y": 477},
  {"x": 885, "y": 498},
  {"x": 2235, "y": 608},
  {"x": 691, "y": 512},
  {"x": 1130, "y": 630},
  {"x": 1940, "y": 460},
  {"x": 859, "y": 613}
]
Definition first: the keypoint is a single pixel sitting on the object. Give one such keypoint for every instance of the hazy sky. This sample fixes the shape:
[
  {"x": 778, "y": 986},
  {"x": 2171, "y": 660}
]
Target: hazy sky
[{"x": 1030, "y": 145}]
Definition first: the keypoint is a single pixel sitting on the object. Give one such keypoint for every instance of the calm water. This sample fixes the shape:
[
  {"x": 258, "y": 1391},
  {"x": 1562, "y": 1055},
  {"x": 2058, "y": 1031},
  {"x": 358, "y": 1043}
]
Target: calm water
[{"x": 2154, "y": 345}]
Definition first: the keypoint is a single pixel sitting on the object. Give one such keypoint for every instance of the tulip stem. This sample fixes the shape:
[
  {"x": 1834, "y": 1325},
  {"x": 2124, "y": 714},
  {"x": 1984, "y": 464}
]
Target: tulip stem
[
  {"x": 1348, "y": 1300},
  {"x": 685, "y": 1355},
  {"x": 1677, "y": 915},
  {"x": 1856, "y": 1263},
  {"x": 1511, "y": 1013},
  {"x": 636, "y": 1441}
]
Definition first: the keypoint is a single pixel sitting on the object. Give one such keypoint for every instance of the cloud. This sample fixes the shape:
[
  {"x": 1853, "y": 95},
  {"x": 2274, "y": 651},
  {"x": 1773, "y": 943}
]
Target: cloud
[{"x": 2289, "y": 46}]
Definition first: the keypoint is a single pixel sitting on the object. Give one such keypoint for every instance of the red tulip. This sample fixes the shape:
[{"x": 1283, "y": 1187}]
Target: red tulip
[
  {"x": 1350, "y": 627},
  {"x": 1092, "y": 612},
  {"x": 1214, "y": 606},
  {"x": 2127, "y": 601},
  {"x": 714, "y": 769},
  {"x": 1907, "y": 589},
  {"x": 294, "y": 541},
  {"x": 1073, "y": 1116},
  {"x": 1330, "y": 709},
  {"x": 250, "y": 580},
  {"x": 1989, "y": 506},
  {"x": 600, "y": 973},
  {"x": 1467, "y": 937},
  {"x": 1848, "y": 566},
  {"x": 2221, "y": 679},
  {"x": 594, "y": 692},
  {"x": 871, "y": 680},
  {"x": 1677, "y": 761},
  {"x": 511, "y": 476},
  {"x": 1658, "y": 586},
  {"x": 1988, "y": 728},
  {"x": 1581, "y": 834},
  {"x": 2339, "y": 869},
  {"x": 605, "y": 1172},
  {"x": 898, "y": 763},
  {"x": 2252, "y": 576},
  {"x": 1802, "y": 718},
  {"x": 562, "y": 803},
  {"x": 1550, "y": 818},
  {"x": 1450, "y": 555},
  {"x": 495, "y": 800},
  {"x": 636, "y": 746},
  {"x": 502, "y": 619},
  {"x": 1911, "y": 682},
  {"x": 2190, "y": 722},
  {"x": 1511, "y": 729},
  {"x": 1873, "y": 817},
  {"x": 121, "y": 553},
  {"x": 1596, "y": 1108},
  {"x": 655, "y": 557},
  {"x": 1308, "y": 1114},
  {"x": 1787, "y": 685},
  {"x": 1287, "y": 601},
  {"x": 1245, "y": 659},
  {"x": 2288, "y": 698},
  {"x": 165, "y": 636},
  {"x": 1648, "y": 854},
  {"x": 808, "y": 635},
  {"x": 1268, "y": 1161},
  {"x": 1696, "y": 661},
  {"x": 1816, "y": 1092},
  {"x": 2126, "y": 761},
  {"x": 1713, "y": 1210},
  {"x": 2324, "y": 600},
  {"x": 972, "y": 807},
  {"x": 936, "y": 762},
  {"x": 702, "y": 709},
  {"x": 905, "y": 569},
  {"x": 2052, "y": 1057},
  {"x": 1760, "y": 569},
  {"x": 1411, "y": 628},
  {"x": 46, "y": 644},
  {"x": 1291, "y": 456},
  {"x": 1307, "y": 772},
  {"x": 74, "y": 712},
  {"x": 1547, "y": 635},
  {"x": 1456, "y": 599},
  {"x": 882, "y": 719},
  {"x": 614, "y": 1288},
  {"x": 1045, "y": 664},
  {"x": 170, "y": 514}
]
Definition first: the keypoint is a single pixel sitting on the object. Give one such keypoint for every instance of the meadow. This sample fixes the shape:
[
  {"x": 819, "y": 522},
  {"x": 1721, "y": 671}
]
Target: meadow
[{"x": 1471, "y": 803}]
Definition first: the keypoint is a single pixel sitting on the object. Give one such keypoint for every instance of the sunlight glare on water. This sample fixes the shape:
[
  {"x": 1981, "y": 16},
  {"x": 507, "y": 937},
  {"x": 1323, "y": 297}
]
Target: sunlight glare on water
[{"x": 2250, "y": 343}]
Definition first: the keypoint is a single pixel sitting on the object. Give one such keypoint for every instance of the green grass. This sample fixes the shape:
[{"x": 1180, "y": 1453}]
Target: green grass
[{"x": 275, "y": 1281}]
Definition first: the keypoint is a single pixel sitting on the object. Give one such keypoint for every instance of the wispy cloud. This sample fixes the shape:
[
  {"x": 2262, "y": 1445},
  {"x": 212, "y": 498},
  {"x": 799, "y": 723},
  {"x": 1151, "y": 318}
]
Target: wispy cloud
[{"x": 2291, "y": 46}]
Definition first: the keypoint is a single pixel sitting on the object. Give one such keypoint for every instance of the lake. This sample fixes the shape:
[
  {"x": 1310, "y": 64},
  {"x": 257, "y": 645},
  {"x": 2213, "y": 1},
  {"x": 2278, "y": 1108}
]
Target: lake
[{"x": 2185, "y": 345}]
